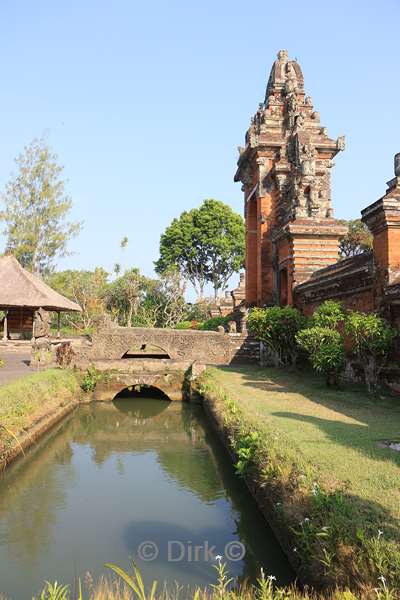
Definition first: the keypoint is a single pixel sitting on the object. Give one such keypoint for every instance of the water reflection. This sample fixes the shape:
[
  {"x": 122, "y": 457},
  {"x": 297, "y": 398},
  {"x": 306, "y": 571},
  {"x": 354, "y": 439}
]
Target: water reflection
[{"x": 114, "y": 475}]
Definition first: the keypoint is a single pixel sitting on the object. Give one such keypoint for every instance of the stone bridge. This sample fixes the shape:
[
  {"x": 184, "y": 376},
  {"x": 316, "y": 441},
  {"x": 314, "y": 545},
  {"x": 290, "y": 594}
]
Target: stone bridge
[{"x": 167, "y": 359}]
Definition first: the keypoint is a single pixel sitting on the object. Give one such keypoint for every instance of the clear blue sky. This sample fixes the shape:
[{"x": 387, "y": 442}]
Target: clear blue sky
[{"x": 146, "y": 102}]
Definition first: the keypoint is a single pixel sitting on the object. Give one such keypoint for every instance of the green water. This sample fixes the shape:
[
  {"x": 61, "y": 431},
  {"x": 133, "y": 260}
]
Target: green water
[{"x": 115, "y": 475}]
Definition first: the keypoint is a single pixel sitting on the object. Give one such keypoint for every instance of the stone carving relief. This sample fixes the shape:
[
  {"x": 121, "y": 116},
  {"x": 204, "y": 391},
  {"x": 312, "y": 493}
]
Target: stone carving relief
[
  {"x": 41, "y": 323},
  {"x": 300, "y": 168},
  {"x": 308, "y": 159}
]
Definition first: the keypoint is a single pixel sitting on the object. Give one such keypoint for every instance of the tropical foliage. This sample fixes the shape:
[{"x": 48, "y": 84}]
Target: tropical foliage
[
  {"x": 277, "y": 328},
  {"x": 325, "y": 348},
  {"x": 371, "y": 340}
]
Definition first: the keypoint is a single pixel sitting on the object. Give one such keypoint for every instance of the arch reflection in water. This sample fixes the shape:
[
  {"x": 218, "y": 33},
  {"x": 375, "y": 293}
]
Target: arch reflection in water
[{"x": 114, "y": 475}]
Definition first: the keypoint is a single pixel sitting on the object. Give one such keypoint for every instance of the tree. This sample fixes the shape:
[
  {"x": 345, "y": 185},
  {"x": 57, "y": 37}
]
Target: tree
[
  {"x": 372, "y": 339},
  {"x": 206, "y": 244},
  {"x": 325, "y": 347},
  {"x": 179, "y": 248},
  {"x": 277, "y": 328},
  {"x": 36, "y": 208},
  {"x": 168, "y": 296},
  {"x": 357, "y": 240},
  {"x": 123, "y": 296},
  {"x": 84, "y": 287}
]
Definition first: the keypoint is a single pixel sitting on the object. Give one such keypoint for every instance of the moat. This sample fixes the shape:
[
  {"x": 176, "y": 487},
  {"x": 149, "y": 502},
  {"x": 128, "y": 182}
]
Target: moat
[{"x": 115, "y": 475}]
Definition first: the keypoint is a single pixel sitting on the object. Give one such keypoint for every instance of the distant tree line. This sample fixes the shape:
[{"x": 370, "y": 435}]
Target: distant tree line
[{"x": 203, "y": 246}]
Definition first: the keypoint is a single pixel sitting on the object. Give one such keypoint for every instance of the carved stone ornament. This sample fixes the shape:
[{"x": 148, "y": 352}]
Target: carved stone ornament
[
  {"x": 308, "y": 156},
  {"x": 41, "y": 323},
  {"x": 397, "y": 164},
  {"x": 341, "y": 142}
]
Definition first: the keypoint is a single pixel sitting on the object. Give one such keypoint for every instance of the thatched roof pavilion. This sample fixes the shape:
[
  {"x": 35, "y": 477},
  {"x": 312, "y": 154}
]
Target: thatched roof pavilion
[{"x": 21, "y": 293}]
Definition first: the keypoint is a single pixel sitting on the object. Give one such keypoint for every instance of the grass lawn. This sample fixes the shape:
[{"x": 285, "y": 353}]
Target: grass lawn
[
  {"x": 33, "y": 396},
  {"x": 338, "y": 431}
]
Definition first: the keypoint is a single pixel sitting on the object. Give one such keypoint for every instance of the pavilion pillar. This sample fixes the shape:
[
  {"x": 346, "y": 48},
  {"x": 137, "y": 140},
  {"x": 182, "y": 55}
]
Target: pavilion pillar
[
  {"x": 5, "y": 326},
  {"x": 58, "y": 324}
]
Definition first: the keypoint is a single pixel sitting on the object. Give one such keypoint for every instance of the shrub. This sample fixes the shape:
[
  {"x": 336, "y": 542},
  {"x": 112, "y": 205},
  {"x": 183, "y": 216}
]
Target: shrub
[
  {"x": 184, "y": 325},
  {"x": 277, "y": 327},
  {"x": 90, "y": 379},
  {"x": 329, "y": 314},
  {"x": 371, "y": 339},
  {"x": 213, "y": 323},
  {"x": 326, "y": 351}
]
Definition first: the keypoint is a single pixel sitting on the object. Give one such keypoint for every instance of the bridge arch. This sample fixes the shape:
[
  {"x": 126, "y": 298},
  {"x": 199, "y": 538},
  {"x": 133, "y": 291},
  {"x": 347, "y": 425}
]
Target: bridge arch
[
  {"x": 140, "y": 391},
  {"x": 171, "y": 384}
]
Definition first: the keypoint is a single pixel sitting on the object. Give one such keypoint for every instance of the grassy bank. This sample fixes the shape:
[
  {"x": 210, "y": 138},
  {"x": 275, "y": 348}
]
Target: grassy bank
[
  {"x": 312, "y": 454},
  {"x": 24, "y": 402}
]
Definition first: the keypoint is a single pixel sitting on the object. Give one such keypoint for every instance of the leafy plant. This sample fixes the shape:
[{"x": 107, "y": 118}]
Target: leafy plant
[
  {"x": 54, "y": 591},
  {"x": 328, "y": 314},
  {"x": 371, "y": 339},
  {"x": 90, "y": 379},
  {"x": 326, "y": 351},
  {"x": 277, "y": 328},
  {"x": 135, "y": 581},
  {"x": 246, "y": 447}
]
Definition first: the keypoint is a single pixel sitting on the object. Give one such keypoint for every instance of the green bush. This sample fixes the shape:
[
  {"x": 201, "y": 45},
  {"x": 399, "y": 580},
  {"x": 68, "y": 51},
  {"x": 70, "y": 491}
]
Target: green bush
[
  {"x": 277, "y": 328},
  {"x": 329, "y": 314},
  {"x": 213, "y": 323},
  {"x": 184, "y": 325},
  {"x": 325, "y": 348},
  {"x": 90, "y": 379},
  {"x": 371, "y": 339}
]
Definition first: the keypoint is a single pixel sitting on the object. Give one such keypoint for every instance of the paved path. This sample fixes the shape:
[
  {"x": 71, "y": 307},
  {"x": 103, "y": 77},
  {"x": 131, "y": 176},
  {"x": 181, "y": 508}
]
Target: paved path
[{"x": 16, "y": 364}]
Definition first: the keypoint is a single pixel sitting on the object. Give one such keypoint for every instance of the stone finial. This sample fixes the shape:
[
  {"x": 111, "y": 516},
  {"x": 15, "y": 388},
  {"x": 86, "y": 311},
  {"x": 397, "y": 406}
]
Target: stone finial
[
  {"x": 283, "y": 55},
  {"x": 397, "y": 164}
]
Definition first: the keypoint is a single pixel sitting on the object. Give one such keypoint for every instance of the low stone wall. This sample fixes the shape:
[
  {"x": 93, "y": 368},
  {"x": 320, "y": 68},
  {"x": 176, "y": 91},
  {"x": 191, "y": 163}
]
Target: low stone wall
[
  {"x": 202, "y": 347},
  {"x": 207, "y": 347}
]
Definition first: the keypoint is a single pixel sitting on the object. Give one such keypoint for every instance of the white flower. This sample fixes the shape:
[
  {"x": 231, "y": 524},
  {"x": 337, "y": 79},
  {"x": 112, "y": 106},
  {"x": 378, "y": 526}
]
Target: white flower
[
  {"x": 271, "y": 577},
  {"x": 218, "y": 558},
  {"x": 306, "y": 520},
  {"x": 380, "y": 532},
  {"x": 294, "y": 549},
  {"x": 382, "y": 579}
]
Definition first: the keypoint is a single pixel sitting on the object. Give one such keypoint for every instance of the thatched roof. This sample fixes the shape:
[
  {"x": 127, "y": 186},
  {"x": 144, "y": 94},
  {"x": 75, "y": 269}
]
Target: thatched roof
[{"x": 18, "y": 287}]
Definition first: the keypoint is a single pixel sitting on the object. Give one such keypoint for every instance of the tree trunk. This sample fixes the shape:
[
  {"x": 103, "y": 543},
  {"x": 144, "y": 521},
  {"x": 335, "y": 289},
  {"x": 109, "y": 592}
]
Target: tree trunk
[{"x": 129, "y": 317}]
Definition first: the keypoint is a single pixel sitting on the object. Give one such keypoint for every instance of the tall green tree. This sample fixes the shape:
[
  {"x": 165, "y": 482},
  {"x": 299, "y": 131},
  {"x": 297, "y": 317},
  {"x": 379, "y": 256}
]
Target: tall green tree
[
  {"x": 35, "y": 210},
  {"x": 206, "y": 244}
]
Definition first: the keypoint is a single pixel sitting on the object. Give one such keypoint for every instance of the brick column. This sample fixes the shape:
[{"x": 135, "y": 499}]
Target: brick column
[{"x": 383, "y": 220}]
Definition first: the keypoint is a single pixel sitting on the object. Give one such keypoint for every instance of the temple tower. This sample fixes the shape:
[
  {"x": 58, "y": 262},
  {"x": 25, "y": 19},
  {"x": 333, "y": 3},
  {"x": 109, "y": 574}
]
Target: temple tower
[{"x": 285, "y": 171}]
